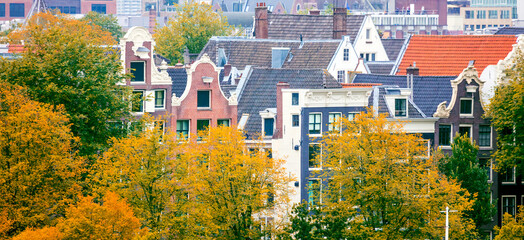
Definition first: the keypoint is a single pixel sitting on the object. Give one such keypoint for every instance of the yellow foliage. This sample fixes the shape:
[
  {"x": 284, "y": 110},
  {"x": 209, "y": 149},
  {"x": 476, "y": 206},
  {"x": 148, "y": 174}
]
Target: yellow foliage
[
  {"x": 512, "y": 228},
  {"x": 47, "y": 233},
  {"x": 38, "y": 167},
  {"x": 112, "y": 219},
  {"x": 378, "y": 168}
]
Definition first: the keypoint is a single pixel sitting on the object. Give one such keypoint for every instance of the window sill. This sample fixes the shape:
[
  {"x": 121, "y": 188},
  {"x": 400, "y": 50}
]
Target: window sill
[
  {"x": 136, "y": 83},
  {"x": 466, "y": 115},
  {"x": 203, "y": 108},
  {"x": 508, "y": 183},
  {"x": 315, "y": 135},
  {"x": 486, "y": 148},
  {"x": 445, "y": 147}
]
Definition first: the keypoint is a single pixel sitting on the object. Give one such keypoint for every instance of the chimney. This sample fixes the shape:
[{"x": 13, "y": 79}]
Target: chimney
[
  {"x": 314, "y": 12},
  {"x": 339, "y": 22},
  {"x": 261, "y": 23},
  {"x": 412, "y": 70},
  {"x": 279, "y": 124},
  {"x": 152, "y": 19},
  {"x": 227, "y": 69}
]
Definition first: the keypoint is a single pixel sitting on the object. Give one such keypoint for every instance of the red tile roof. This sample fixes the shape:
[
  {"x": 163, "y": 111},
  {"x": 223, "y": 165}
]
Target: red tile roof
[
  {"x": 15, "y": 48},
  {"x": 449, "y": 55}
]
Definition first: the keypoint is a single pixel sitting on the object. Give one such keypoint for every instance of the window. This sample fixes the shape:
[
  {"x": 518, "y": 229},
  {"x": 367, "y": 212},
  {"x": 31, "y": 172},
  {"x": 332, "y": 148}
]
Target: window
[
  {"x": 203, "y": 99},
  {"x": 314, "y": 123},
  {"x": 493, "y": 14},
  {"x": 314, "y": 188},
  {"x": 488, "y": 166},
  {"x": 351, "y": 116},
  {"x": 294, "y": 99},
  {"x": 16, "y": 10},
  {"x": 160, "y": 125},
  {"x": 160, "y": 98},
  {"x": 137, "y": 103},
  {"x": 202, "y": 124},
  {"x": 372, "y": 57},
  {"x": 469, "y": 15},
  {"x": 508, "y": 176},
  {"x": 368, "y": 34},
  {"x": 223, "y": 122},
  {"x": 400, "y": 107},
  {"x": 314, "y": 155},
  {"x": 100, "y": 8},
  {"x": 340, "y": 76},
  {"x": 268, "y": 126},
  {"x": 444, "y": 135},
  {"x": 295, "y": 122},
  {"x": 508, "y": 205},
  {"x": 465, "y": 131},
  {"x": 182, "y": 128},
  {"x": 138, "y": 71},
  {"x": 2, "y": 9},
  {"x": 334, "y": 122},
  {"x": 504, "y": 14},
  {"x": 346, "y": 54},
  {"x": 481, "y": 14},
  {"x": 484, "y": 136},
  {"x": 466, "y": 106}
]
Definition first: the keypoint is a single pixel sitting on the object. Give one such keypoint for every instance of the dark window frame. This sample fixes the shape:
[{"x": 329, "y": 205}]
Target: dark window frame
[
  {"x": 484, "y": 136},
  {"x": 17, "y": 10},
  {"x": 295, "y": 99},
  {"x": 162, "y": 105}
]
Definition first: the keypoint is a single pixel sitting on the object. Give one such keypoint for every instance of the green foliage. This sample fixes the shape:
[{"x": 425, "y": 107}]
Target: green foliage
[
  {"x": 464, "y": 167},
  {"x": 191, "y": 28},
  {"x": 67, "y": 62},
  {"x": 507, "y": 112},
  {"x": 108, "y": 23}
]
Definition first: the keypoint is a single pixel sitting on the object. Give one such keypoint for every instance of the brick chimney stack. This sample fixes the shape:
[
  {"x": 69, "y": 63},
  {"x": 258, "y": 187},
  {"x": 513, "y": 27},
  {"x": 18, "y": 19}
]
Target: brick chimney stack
[
  {"x": 279, "y": 123},
  {"x": 261, "y": 23},
  {"x": 152, "y": 20},
  {"x": 314, "y": 12},
  {"x": 412, "y": 70},
  {"x": 339, "y": 22}
]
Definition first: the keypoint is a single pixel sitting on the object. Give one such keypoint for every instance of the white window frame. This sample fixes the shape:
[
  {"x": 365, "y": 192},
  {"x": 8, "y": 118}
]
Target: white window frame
[
  {"x": 143, "y": 100},
  {"x": 351, "y": 115},
  {"x": 512, "y": 182},
  {"x": 309, "y": 122},
  {"x": 224, "y": 119},
  {"x": 490, "y": 137},
  {"x": 188, "y": 127},
  {"x": 164, "y": 99},
  {"x": 470, "y": 129},
  {"x": 395, "y": 108},
  {"x": 204, "y": 108},
  {"x": 472, "y": 107},
  {"x": 502, "y": 205},
  {"x": 346, "y": 54},
  {"x": 335, "y": 128},
  {"x": 144, "y": 77},
  {"x": 320, "y": 152}
]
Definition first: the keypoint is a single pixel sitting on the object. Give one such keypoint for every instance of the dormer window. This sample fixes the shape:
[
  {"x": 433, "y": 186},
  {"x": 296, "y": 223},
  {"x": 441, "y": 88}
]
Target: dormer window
[
  {"x": 138, "y": 70},
  {"x": 400, "y": 107},
  {"x": 268, "y": 126},
  {"x": 466, "y": 106}
]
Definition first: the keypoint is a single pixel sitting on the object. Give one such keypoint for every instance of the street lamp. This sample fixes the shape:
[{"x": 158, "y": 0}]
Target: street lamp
[{"x": 447, "y": 221}]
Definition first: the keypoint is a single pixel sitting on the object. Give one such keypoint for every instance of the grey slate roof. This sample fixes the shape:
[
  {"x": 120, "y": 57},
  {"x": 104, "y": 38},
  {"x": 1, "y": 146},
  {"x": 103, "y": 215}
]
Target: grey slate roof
[
  {"x": 380, "y": 67},
  {"x": 251, "y": 5},
  {"x": 428, "y": 91},
  {"x": 290, "y": 26},
  {"x": 510, "y": 31},
  {"x": 179, "y": 79},
  {"x": 260, "y": 90},
  {"x": 257, "y": 52},
  {"x": 243, "y": 19},
  {"x": 393, "y": 47}
]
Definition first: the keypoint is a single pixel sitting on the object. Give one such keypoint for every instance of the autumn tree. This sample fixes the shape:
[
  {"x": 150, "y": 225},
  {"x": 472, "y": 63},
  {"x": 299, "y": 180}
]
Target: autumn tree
[
  {"x": 211, "y": 188},
  {"x": 108, "y": 23},
  {"x": 38, "y": 166},
  {"x": 111, "y": 218},
  {"x": 506, "y": 110},
  {"x": 71, "y": 63},
  {"x": 379, "y": 183},
  {"x": 512, "y": 227},
  {"x": 192, "y": 27},
  {"x": 142, "y": 168},
  {"x": 463, "y": 166}
]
